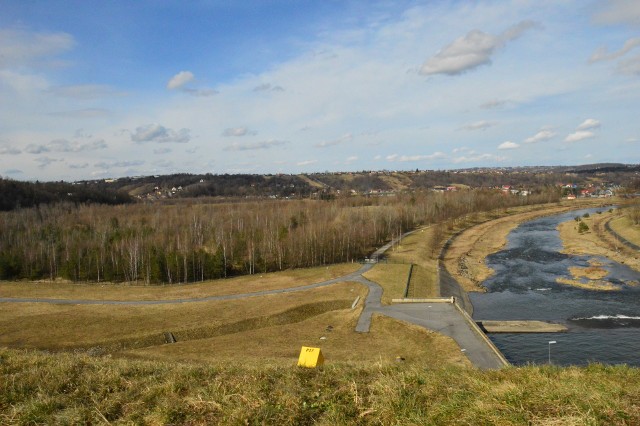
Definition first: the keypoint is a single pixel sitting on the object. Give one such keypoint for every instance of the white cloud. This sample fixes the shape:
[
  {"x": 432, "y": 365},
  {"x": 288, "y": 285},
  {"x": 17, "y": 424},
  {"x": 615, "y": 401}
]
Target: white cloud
[
  {"x": 477, "y": 158},
  {"x": 342, "y": 139},
  {"x": 306, "y": 162},
  {"x": 162, "y": 150},
  {"x": 238, "y": 131},
  {"x": 478, "y": 125},
  {"x": 541, "y": 136},
  {"x": 603, "y": 54},
  {"x": 7, "y": 150},
  {"x": 63, "y": 145},
  {"x": 579, "y": 135},
  {"x": 471, "y": 51},
  {"x": 412, "y": 158},
  {"x": 160, "y": 134},
  {"x": 180, "y": 79},
  {"x": 43, "y": 162},
  {"x": 588, "y": 124},
  {"x": 19, "y": 47},
  {"x": 508, "y": 145},
  {"x": 255, "y": 146}
]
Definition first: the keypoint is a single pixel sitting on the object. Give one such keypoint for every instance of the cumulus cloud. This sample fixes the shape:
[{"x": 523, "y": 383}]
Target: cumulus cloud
[
  {"x": 411, "y": 158},
  {"x": 478, "y": 125},
  {"x": 588, "y": 124},
  {"x": 619, "y": 12},
  {"x": 180, "y": 79},
  {"x": 238, "y": 131},
  {"x": 255, "y": 146},
  {"x": 541, "y": 136},
  {"x": 35, "y": 149},
  {"x": 160, "y": 134},
  {"x": 45, "y": 161},
  {"x": 579, "y": 135},
  {"x": 19, "y": 47},
  {"x": 342, "y": 139},
  {"x": 471, "y": 51},
  {"x": 7, "y": 150},
  {"x": 508, "y": 145}
]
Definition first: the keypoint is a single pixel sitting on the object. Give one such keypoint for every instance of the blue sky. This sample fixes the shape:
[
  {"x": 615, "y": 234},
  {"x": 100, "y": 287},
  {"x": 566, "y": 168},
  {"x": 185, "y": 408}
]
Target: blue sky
[{"x": 95, "y": 89}]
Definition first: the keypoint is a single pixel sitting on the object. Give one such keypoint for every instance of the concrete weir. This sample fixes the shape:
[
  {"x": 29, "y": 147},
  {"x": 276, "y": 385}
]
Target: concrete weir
[{"x": 520, "y": 327}]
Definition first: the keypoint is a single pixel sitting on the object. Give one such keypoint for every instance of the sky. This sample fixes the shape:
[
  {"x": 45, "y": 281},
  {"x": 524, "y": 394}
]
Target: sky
[{"x": 101, "y": 89}]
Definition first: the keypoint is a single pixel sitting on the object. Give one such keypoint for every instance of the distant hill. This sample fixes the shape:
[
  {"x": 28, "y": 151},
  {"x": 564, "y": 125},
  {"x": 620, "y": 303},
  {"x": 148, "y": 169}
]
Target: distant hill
[
  {"x": 16, "y": 194},
  {"x": 320, "y": 185}
]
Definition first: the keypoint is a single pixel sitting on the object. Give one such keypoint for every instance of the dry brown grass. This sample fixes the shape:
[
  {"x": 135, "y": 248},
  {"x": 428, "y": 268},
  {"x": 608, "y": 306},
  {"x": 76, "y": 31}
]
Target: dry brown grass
[
  {"x": 416, "y": 249},
  {"x": 46, "y": 326},
  {"x": 597, "y": 241},
  {"x": 280, "y": 345},
  {"x": 598, "y": 285},
  {"x": 237, "y": 285},
  {"x": 40, "y": 388},
  {"x": 625, "y": 228},
  {"x": 392, "y": 277}
]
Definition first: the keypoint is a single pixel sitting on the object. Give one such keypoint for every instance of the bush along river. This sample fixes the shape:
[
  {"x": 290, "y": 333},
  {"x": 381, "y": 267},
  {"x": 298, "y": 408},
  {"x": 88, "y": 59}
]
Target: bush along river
[{"x": 604, "y": 326}]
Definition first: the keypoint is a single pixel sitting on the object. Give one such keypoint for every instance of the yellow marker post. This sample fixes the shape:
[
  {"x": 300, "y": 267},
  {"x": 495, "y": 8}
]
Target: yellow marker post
[{"x": 310, "y": 357}]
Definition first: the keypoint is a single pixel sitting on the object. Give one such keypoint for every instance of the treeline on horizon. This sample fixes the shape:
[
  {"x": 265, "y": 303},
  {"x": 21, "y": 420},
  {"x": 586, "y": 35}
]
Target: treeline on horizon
[
  {"x": 188, "y": 242},
  {"x": 304, "y": 185},
  {"x": 17, "y": 194}
]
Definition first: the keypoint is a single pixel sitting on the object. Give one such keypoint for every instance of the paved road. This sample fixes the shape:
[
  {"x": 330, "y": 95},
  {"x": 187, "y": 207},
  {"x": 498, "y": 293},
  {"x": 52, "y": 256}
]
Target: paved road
[{"x": 441, "y": 317}]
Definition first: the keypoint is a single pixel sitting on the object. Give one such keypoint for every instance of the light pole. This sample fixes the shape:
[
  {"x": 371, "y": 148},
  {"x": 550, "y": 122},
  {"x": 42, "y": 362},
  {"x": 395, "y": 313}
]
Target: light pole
[{"x": 551, "y": 342}]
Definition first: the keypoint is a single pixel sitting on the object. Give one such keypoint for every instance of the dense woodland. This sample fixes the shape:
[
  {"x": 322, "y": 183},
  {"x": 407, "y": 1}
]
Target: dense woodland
[
  {"x": 186, "y": 242},
  {"x": 17, "y": 194}
]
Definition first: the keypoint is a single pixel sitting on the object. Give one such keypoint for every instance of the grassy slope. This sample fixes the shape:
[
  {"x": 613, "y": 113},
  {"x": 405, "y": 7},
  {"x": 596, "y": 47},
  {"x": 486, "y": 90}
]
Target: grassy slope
[
  {"x": 236, "y": 285},
  {"x": 625, "y": 227},
  {"x": 76, "y": 389}
]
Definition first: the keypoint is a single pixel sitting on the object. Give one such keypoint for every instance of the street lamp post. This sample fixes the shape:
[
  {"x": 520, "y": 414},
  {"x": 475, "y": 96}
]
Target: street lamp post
[{"x": 551, "y": 342}]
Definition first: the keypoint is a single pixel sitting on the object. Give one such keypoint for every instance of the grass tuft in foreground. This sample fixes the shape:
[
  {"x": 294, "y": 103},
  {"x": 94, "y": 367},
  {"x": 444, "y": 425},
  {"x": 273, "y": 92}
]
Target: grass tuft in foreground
[{"x": 39, "y": 388}]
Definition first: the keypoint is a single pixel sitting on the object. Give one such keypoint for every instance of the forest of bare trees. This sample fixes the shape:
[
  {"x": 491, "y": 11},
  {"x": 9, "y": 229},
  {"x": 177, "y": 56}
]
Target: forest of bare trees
[{"x": 186, "y": 242}]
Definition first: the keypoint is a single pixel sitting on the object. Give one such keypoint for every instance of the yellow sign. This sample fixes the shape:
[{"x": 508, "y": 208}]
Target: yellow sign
[{"x": 310, "y": 357}]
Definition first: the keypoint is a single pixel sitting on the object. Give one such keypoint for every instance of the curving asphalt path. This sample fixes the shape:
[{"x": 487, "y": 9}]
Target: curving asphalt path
[{"x": 443, "y": 318}]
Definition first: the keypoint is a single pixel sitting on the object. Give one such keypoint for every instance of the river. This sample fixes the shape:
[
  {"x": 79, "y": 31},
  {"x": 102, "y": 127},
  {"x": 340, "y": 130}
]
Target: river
[{"x": 604, "y": 326}]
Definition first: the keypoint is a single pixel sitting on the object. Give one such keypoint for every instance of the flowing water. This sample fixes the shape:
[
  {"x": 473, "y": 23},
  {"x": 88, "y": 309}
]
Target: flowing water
[{"x": 604, "y": 326}]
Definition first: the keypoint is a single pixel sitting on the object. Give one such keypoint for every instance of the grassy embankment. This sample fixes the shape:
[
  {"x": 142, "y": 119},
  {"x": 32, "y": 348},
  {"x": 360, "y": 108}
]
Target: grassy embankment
[
  {"x": 392, "y": 276},
  {"x": 265, "y": 329},
  {"x": 597, "y": 241},
  {"x": 40, "y": 388}
]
